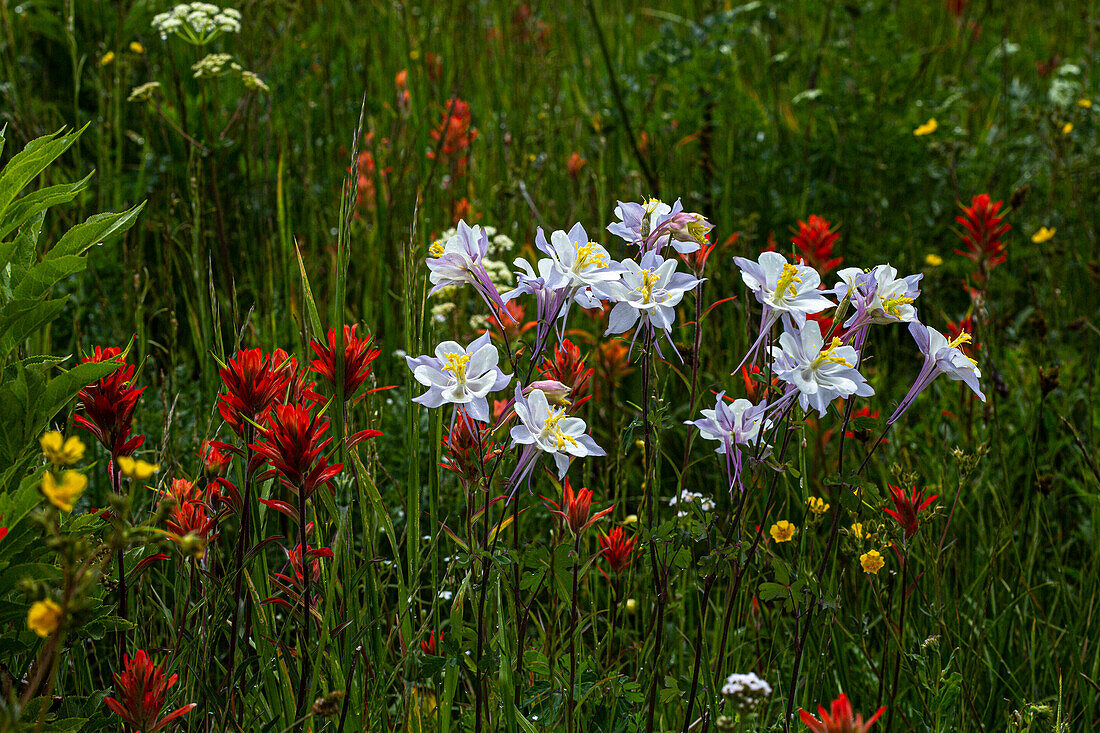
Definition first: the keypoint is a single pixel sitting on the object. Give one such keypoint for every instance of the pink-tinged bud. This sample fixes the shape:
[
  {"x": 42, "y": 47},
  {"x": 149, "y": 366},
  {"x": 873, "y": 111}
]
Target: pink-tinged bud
[
  {"x": 557, "y": 394},
  {"x": 688, "y": 227}
]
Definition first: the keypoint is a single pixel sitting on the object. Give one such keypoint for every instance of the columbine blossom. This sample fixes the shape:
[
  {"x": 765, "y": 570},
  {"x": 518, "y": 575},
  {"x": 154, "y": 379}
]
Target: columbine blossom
[
  {"x": 784, "y": 290},
  {"x": 543, "y": 427},
  {"x": 940, "y": 357},
  {"x": 732, "y": 424},
  {"x": 653, "y": 224},
  {"x": 649, "y": 291},
  {"x": 461, "y": 263},
  {"x": 818, "y": 374},
  {"x": 878, "y": 296},
  {"x": 460, "y": 376}
]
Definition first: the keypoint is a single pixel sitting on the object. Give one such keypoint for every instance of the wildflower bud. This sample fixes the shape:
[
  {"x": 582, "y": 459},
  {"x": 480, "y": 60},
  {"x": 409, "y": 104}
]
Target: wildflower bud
[
  {"x": 557, "y": 394},
  {"x": 328, "y": 706}
]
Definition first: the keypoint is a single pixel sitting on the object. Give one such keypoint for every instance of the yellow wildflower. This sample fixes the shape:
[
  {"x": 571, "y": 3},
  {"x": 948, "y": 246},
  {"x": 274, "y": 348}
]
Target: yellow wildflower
[
  {"x": 871, "y": 562},
  {"x": 136, "y": 47},
  {"x": 136, "y": 468},
  {"x": 61, "y": 452},
  {"x": 44, "y": 618},
  {"x": 630, "y": 519},
  {"x": 64, "y": 495},
  {"x": 1043, "y": 235},
  {"x": 1085, "y": 103},
  {"x": 782, "y": 531},
  {"x": 107, "y": 58},
  {"x": 857, "y": 530},
  {"x": 1067, "y": 128},
  {"x": 817, "y": 505},
  {"x": 927, "y": 128},
  {"x": 933, "y": 260}
]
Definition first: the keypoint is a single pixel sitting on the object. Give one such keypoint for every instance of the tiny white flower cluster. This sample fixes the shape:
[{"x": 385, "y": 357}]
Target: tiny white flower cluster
[
  {"x": 197, "y": 23},
  {"x": 144, "y": 92},
  {"x": 745, "y": 692},
  {"x": 688, "y": 497},
  {"x": 214, "y": 64}
]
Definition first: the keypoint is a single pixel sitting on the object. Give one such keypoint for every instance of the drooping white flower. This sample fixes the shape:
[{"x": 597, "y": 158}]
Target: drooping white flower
[
  {"x": 878, "y": 296},
  {"x": 543, "y": 427},
  {"x": 461, "y": 376},
  {"x": 819, "y": 373},
  {"x": 941, "y": 356},
  {"x": 460, "y": 261},
  {"x": 732, "y": 424},
  {"x": 649, "y": 292}
]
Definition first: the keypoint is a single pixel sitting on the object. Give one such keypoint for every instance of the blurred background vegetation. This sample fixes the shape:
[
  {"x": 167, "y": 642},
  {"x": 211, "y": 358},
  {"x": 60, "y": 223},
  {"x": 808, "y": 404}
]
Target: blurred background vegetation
[{"x": 515, "y": 115}]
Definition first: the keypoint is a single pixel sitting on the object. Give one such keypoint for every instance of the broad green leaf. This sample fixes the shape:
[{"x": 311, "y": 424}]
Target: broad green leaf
[
  {"x": 38, "y": 201},
  {"x": 46, "y": 274},
  {"x": 25, "y": 165},
  {"x": 95, "y": 230}
]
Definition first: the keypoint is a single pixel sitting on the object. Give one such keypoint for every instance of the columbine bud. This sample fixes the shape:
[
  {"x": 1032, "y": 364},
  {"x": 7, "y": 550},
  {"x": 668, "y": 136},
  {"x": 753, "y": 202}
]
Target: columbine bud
[
  {"x": 557, "y": 394},
  {"x": 687, "y": 227}
]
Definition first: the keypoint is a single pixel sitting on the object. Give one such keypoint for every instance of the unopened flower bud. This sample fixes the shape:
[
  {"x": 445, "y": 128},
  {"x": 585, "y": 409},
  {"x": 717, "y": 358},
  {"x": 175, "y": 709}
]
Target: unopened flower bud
[{"x": 557, "y": 394}]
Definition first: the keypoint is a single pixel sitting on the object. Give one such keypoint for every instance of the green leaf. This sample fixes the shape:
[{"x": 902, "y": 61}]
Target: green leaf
[
  {"x": 95, "y": 230},
  {"x": 38, "y": 201},
  {"x": 772, "y": 591},
  {"x": 25, "y": 165}
]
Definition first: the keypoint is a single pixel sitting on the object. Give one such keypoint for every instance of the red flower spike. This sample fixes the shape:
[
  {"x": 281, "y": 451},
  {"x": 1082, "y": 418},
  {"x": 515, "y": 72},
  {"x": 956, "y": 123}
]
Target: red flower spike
[
  {"x": 907, "y": 508},
  {"x": 575, "y": 509},
  {"x": 840, "y": 719},
  {"x": 617, "y": 548},
  {"x": 3, "y": 531},
  {"x": 982, "y": 237},
  {"x": 109, "y": 405},
  {"x": 428, "y": 647},
  {"x": 215, "y": 463},
  {"x": 293, "y": 443},
  {"x": 142, "y": 687},
  {"x": 468, "y": 447},
  {"x": 253, "y": 382},
  {"x": 567, "y": 367},
  {"x": 192, "y": 518},
  {"x": 358, "y": 356},
  {"x": 815, "y": 242}
]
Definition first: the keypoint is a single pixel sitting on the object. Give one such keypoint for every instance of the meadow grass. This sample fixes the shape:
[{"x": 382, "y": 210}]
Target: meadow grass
[{"x": 757, "y": 115}]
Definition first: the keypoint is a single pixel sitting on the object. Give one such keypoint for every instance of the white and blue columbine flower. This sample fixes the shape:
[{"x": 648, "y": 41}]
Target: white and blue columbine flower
[
  {"x": 732, "y": 424},
  {"x": 653, "y": 224},
  {"x": 878, "y": 296},
  {"x": 941, "y": 356},
  {"x": 460, "y": 376},
  {"x": 818, "y": 374},
  {"x": 459, "y": 261},
  {"x": 546, "y": 428},
  {"x": 649, "y": 292},
  {"x": 784, "y": 291}
]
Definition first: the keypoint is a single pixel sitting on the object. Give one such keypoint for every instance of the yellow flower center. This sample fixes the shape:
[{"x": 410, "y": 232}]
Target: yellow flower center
[
  {"x": 436, "y": 248},
  {"x": 650, "y": 207},
  {"x": 555, "y": 433},
  {"x": 648, "y": 281},
  {"x": 892, "y": 306},
  {"x": 697, "y": 230},
  {"x": 962, "y": 338},
  {"x": 787, "y": 278},
  {"x": 829, "y": 355},
  {"x": 456, "y": 365},
  {"x": 589, "y": 254}
]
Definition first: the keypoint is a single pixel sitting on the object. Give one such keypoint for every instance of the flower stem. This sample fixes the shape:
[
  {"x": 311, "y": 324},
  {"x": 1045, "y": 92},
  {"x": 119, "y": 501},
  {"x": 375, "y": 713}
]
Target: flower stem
[
  {"x": 573, "y": 639},
  {"x": 303, "y": 685}
]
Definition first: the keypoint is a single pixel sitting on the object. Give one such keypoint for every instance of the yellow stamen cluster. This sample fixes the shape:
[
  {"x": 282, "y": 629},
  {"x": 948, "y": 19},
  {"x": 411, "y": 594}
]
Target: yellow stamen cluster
[
  {"x": 697, "y": 230},
  {"x": 555, "y": 432},
  {"x": 436, "y": 248},
  {"x": 648, "y": 281},
  {"x": 892, "y": 306},
  {"x": 456, "y": 365},
  {"x": 650, "y": 206},
  {"x": 787, "y": 278},
  {"x": 589, "y": 254},
  {"x": 828, "y": 355}
]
